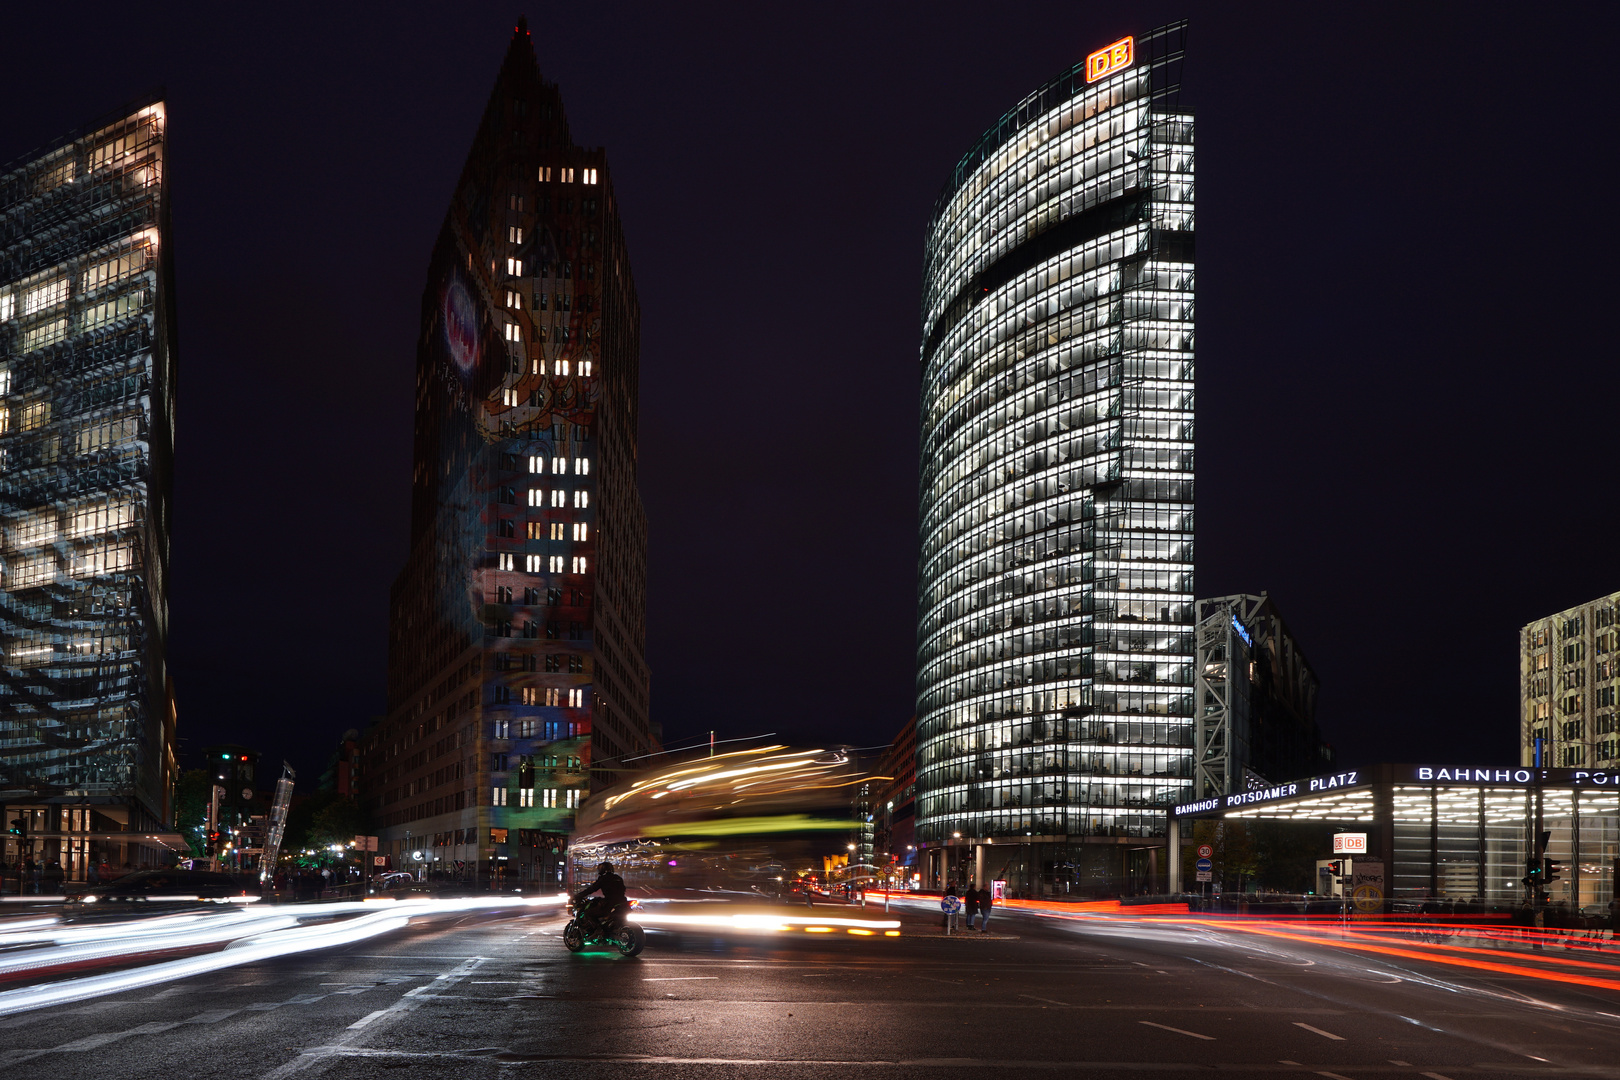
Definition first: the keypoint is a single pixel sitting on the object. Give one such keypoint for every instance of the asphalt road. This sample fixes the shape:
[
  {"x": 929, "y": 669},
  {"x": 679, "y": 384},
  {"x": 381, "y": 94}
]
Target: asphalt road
[{"x": 496, "y": 995}]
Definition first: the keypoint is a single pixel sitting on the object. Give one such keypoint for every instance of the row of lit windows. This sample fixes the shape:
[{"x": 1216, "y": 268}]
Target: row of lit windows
[
  {"x": 26, "y": 571},
  {"x": 971, "y": 259},
  {"x": 559, "y": 498},
  {"x": 529, "y": 728},
  {"x": 543, "y": 564},
  {"x": 996, "y": 181},
  {"x": 1090, "y": 109},
  {"x": 565, "y": 174},
  {"x": 547, "y": 796},
  {"x": 1090, "y": 421},
  {"x": 43, "y": 526},
  {"x": 1095, "y": 176}
]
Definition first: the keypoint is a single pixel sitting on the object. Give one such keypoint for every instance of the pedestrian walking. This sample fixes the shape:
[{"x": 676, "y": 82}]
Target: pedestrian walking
[
  {"x": 986, "y": 901},
  {"x": 970, "y": 903}
]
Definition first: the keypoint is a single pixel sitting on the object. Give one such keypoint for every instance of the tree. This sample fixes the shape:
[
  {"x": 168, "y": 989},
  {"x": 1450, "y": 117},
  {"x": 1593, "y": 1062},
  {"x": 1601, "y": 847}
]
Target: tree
[
  {"x": 323, "y": 819},
  {"x": 191, "y": 797}
]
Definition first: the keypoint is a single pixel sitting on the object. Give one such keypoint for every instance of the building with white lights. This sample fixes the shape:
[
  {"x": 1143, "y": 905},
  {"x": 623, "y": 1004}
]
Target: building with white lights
[
  {"x": 1569, "y": 669},
  {"x": 1055, "y": 637},
  {"x": 87, "y": 384}
]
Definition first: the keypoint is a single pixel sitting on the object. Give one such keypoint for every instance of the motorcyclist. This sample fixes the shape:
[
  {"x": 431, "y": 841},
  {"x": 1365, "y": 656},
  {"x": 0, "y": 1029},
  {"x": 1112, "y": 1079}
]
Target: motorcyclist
[{"x": 605, "y": 907}]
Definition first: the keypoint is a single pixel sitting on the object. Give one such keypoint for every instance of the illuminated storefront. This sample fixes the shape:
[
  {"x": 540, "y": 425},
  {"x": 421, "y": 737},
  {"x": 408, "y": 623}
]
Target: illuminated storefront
[
  {"x": 1449, "y": 833},
  {"x": 87, "y": 383},
  {"x": 1055, "y": 642}
]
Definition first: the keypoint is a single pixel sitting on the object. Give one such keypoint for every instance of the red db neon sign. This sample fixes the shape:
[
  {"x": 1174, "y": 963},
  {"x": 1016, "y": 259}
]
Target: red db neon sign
[{"x": 1110, "y": 58}]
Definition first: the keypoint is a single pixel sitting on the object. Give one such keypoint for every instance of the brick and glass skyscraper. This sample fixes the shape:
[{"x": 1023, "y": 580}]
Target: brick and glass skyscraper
[
  {"x": 87, "y": 385},
  {"x": 516, "y": 668}
]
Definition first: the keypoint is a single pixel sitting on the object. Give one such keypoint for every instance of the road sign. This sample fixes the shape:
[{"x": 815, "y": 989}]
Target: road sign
[
  {"x": 950, "y": 905},
  {"x": 1204, "y": 866},
  {"x": 1205, "y": 851},
  {"x": 1350, "y": 843},
  {"x": 1205, "y": 875}
]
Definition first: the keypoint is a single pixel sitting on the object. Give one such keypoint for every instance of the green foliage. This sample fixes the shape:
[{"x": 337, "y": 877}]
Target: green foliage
[
  {"x": 323, "y": 819},
  {"x": 191, "y": 809}
]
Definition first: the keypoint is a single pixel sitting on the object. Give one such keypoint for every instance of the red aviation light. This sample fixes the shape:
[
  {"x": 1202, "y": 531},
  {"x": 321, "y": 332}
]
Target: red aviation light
[{"x": 1110, "y": 58}]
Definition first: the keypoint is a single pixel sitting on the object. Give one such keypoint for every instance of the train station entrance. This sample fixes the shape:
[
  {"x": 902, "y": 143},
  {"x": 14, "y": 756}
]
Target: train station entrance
[{"x": 1450, "y": 833}]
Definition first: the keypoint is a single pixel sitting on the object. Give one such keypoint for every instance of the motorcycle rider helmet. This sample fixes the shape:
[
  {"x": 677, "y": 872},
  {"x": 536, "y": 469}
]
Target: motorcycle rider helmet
[{"x": 605, "y": 868}]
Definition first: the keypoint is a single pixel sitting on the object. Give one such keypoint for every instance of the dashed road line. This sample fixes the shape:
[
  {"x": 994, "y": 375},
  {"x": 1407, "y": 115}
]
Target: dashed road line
[
  {"x": 364, "y": 1020},
  {"x": 1319, "y": 1031},
  {"x": 1178, "y": 1031}
]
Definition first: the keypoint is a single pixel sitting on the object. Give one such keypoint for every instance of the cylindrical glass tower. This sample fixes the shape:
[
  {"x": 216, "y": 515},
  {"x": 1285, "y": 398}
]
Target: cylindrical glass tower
[{"x": 1055, "y": 650}]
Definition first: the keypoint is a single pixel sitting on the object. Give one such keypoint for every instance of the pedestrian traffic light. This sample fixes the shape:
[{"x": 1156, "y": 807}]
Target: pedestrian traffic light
[
  {"x": 1549, "y": 872},
  {"x": 1336, "y": 868},
  {"x": 19, "y": 828}
]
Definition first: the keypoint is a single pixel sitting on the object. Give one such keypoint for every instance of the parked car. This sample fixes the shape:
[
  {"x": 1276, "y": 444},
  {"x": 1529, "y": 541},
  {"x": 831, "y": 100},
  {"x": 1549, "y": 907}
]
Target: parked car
[{"x": 159, "y": 891}]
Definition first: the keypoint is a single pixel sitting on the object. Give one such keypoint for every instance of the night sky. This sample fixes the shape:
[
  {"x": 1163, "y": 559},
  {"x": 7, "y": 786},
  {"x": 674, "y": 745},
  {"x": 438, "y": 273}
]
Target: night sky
[{"x": 1407, "y": 378}]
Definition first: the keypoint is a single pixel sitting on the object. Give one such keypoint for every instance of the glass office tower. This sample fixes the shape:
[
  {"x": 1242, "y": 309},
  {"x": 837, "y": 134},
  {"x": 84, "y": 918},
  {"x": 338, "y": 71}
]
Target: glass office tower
[
  {"x": 516, "y": 670},
  {"x": 1055, "y": 577},
  {"x": 87, "y": 381}
]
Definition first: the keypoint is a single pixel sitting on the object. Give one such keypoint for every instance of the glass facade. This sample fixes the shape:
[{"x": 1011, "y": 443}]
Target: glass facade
[
  {"x": 1055, "y": 644},
  {"x": 87, "y": 384},
  {"x": 516, "y": 658},
  {"x": 1460, "y": 835}
]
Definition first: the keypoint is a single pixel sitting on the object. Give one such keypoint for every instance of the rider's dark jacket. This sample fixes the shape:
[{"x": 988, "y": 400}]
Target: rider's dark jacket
[{"x": 611, "y": 886}]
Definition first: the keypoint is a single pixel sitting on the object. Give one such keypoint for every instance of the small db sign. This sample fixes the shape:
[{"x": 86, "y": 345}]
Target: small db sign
[
  {"x": 1350, "y": 843},
  {"x": 1110, "y": 58}
]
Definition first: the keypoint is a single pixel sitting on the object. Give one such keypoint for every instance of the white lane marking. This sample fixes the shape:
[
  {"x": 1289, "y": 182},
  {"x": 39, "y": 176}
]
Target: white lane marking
[
  {"x": 1435, "y": 1076},
  {"x": 407, "y": 1002},
  {"x": 1402, "y": 1064},
  {"x": 364, "y": 1020},
  {"x": 1333, "y": 1076},
  {"x": 681, "y": 978},
  {"x": 1049, "y": 1001},
  {"x": 1178, "y": 1031},
  {"x": 1319, "y": 1031},
  {"x": 1285, "y": 1061}
]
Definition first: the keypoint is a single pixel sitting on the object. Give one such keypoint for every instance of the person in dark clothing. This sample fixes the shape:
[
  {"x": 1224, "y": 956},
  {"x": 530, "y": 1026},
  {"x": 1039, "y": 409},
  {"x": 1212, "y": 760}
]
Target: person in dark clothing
[
  {"x": 970, "y": 904},
  {"x": 986, "y": 901},
  {"x": 605, "y": 907}
]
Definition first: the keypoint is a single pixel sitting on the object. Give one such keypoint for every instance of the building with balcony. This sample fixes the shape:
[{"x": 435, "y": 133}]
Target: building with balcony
[
  {"x": 516, "y": 674},
  {"x": 87, "y": 385},
  {"x": 1569, "y": 668},
  {"x": 1055, "y": 638}
]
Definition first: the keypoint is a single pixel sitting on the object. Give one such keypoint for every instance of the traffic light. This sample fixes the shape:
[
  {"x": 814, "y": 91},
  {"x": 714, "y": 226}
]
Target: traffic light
[
  {"x": 1549, "y": 872},
  {"x": 19, "y": 828},
  {"x": 1336, "y": 868},
  {"x": 1534, "y": 869}
]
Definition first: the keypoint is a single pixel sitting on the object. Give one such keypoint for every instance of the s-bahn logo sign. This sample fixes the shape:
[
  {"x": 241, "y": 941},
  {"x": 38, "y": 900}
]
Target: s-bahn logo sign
[{"x": 1110, "y": 58}]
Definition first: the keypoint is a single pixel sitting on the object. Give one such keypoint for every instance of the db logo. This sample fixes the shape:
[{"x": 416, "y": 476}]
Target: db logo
[{"x": 1110, "y": 58}]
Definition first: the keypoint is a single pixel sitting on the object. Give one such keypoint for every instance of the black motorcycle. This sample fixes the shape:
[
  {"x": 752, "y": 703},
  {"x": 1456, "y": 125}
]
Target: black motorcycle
[{"x": 618, "y": 931}]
